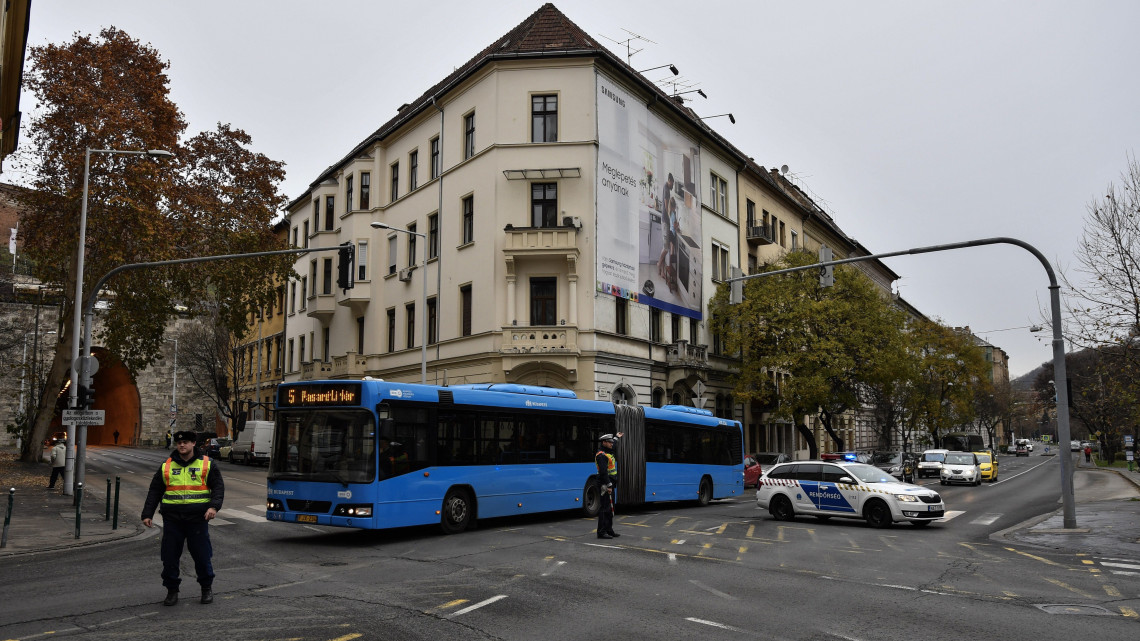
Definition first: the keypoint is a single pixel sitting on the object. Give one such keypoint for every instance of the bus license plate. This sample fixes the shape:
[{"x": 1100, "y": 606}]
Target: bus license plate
[{"x": 306, "y": 518}]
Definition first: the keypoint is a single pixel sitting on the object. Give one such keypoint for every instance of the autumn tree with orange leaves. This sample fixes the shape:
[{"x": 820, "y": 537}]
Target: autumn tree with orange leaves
[{"x": 215, "y": 196}]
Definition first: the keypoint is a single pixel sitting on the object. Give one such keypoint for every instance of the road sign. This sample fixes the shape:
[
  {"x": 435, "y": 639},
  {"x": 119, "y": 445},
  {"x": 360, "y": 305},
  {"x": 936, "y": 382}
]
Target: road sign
[{"x": 84, "y": 417}]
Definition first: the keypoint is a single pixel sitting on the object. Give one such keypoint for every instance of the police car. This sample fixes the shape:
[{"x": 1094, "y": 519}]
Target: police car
[{"x": 853, "y": 490}]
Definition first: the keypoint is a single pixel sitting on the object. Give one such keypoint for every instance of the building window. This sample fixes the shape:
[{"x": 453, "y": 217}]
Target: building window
[
  {"x": 365, "y": 189},
  {"x": 675, "y": 328},
  {"x": 718, "y": 197},
  {"x": 293, "y": 297},
  {"x": 412, "y": 244},
  {"x": 465, "y": 310},
  {"x": 410, "y": 312},
  {"x": 306, "y": 232},
  {"x": 325, "y": 345},
  {"x": 304, "y": 291},
  {"x": 693, "y": 331},
  {"x": 295, "y": 237},
  {"x": 413, "y": 169},
  {"x": 435, "y": 160},
  {"x": 543, "y": 301},
  {"x": 392, "y": 254},
  {"x": 362, "y": 260},
  {"x": 289, "y": 365},
  {"x": 360, "y": 335},
  {"x": 717, "y": 345},
  {"x": 468, "y": 220},
  {"x": 316, "y": 213},
  {"x": 621, "y": 315},
  {"x": 392, "y": 330},
  {"x": 330, "y": 212},
  {"x": 301, "y": 343},
  {"x": 347, "y": 193},
  {"x": 719, "y": 261},
  {"x": 469, "y": 135},
  {"x": 327, "y": 280},
  {"x": 433, "y": 236},
  {"x": 782, "y": 236},
  {"x": 544, "y": 205},
  {"x": 544, "y": 119},
  {"x": 654, "y": 325},
  {"x": 750, "y": 214},
  {"x": 395, "y": 182},
  {"x": 433, "y": 338},
  {"x": 795, "y": 241}
]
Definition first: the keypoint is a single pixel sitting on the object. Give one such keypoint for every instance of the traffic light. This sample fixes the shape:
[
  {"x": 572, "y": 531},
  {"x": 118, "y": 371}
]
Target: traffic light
[
  {"x": 827, "y": 273},
  {"x": 346, "y": 266},
  {"x": 86, "y": 397}
]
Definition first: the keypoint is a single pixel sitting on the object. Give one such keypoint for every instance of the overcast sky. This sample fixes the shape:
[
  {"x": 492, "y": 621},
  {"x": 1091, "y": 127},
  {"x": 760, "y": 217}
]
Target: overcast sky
[{"x": 913, "y": 123}]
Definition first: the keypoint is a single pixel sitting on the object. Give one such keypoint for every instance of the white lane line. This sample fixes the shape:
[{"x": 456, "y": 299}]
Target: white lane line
[
  {"x": 1130, "y": 566},
  {"x": 599, "y": 545},
  {"x": 712, "y": 590},
  {"x": 951, "y": 514},
  {"x": 260, "y": 507},
  {"x": 477, "y": 605},
  {"x": 556, "y": 566},
  {"x": 1125, "y": 572},
  {"x": 1010, "y": 478},
  {"x": 672, "y": 559},
  {"x": 985, "y": 519},
  {"x": 714, "y": 624},
  {"x": 245, "y": 515}
]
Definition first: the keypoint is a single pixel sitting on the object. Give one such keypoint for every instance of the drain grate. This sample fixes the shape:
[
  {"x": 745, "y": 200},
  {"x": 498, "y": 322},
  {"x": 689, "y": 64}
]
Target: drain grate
[{"x": 1074, "y": 608}]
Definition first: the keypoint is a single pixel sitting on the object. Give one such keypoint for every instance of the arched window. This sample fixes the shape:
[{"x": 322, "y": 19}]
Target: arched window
[{"x": 658, "y": 397}]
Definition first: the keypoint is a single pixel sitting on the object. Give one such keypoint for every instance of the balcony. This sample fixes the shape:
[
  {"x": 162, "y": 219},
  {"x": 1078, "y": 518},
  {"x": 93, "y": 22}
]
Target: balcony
[
  {"x": 350, "y": 365},
  {"x": 321, "y": 307},
  {"x": 541, "y": 241},
  {"x": 682, "y": 354},
  {"x": 540, "y": 340},
  {"x": 315, "y": 370},
  {"x": 759, "y": 235}
]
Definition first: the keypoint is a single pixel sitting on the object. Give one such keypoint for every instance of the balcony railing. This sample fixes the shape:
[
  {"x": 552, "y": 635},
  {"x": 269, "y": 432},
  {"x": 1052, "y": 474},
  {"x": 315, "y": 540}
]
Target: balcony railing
[
  {"x": 682, "y": 354},
  {"x": 349, "y": 366},
  {"x": 759, "y": 235},
  {"x": 530, "y": 340},
  {"x": 541, "y": 240},
  {"x": 314, "y": 370}
]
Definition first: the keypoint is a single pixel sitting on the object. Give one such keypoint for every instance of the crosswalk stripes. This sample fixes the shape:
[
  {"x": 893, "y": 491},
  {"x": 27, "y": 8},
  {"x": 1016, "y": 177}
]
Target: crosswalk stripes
[
  {"x": 1126, "y": 567},
  {"x": 951, "y": 514},
  {"x": 232, "y": 513}
]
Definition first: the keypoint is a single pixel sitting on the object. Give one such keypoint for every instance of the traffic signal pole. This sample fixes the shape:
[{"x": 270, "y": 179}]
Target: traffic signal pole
[
  {"x": 85, "y": 371},
  {"x": 1059, "y": 372}
]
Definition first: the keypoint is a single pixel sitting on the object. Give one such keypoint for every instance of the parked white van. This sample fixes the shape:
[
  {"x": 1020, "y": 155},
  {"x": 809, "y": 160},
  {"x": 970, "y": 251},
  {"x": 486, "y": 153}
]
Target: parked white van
[
  {"x": 253, "y": 444},
  {"x": 931, "y": 463}
]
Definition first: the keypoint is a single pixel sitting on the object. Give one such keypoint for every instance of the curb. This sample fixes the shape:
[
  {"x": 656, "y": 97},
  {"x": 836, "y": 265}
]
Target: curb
[{"x": 140, "y": 532}]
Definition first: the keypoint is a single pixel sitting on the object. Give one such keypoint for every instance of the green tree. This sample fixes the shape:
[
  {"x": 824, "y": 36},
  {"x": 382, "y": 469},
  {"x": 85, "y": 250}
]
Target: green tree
[
  {"x": 827, "y": 342},
  {"x": 216, "y": 196},
  {"x": 941, "y": 394}
]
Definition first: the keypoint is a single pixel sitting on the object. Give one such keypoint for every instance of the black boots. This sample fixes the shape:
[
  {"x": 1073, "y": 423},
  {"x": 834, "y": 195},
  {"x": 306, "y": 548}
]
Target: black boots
[
  {"x": 207, "y": 595},
  {"x": 171, "y": 597}
]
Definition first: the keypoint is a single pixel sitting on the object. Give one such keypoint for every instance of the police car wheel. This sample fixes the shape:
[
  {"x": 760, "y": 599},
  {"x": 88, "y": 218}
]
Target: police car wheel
[
  {"x": 781, "y": 509},
  {"x": 877, "y": 514}
]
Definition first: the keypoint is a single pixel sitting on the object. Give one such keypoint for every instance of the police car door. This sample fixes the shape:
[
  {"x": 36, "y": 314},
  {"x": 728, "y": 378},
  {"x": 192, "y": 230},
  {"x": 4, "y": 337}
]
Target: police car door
[
  {"x": 833, "y": 495},
  {"x": 807, "y": 478}
]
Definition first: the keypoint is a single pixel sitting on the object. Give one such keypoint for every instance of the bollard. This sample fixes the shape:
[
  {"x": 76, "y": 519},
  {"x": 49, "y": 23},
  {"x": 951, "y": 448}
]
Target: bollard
[
  {"x": 8, "y": 516},
  {"x": 108, "y": 516},
  {"x": 78, "y": 507},
  {"x": 115, "y": 523}
]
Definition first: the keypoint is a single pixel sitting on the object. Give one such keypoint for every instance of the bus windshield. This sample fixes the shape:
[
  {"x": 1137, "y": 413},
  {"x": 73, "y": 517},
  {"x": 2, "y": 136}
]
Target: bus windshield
[{"x": 337, "y": 446}]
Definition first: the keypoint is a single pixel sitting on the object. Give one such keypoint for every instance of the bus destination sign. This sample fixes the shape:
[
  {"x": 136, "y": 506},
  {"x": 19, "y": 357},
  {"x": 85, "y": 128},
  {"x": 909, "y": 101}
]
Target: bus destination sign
[{"x": 320, "y": 395}]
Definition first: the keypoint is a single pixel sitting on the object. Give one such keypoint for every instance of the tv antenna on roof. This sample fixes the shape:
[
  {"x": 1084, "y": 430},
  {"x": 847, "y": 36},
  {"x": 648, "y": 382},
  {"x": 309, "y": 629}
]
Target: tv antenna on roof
[{"x": 629, "y": 51}]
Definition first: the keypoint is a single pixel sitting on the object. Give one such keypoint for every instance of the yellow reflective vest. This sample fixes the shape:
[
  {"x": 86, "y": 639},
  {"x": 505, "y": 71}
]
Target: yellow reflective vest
[
  {"x": 186, "y": 484},
  {"x": 611, "y": 462}
]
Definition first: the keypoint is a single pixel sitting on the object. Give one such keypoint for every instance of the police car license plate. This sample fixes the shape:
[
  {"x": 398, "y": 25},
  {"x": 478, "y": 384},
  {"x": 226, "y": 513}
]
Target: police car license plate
[
  {"x": 306, "y": 518},
  {"x": 931, "y": 508}
]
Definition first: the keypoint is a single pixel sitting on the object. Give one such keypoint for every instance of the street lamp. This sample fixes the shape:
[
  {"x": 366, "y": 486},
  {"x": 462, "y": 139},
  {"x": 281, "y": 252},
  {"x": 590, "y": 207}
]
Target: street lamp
[
  {"x": 424, "y": 312},
  {"x": 76, "y": 451}
]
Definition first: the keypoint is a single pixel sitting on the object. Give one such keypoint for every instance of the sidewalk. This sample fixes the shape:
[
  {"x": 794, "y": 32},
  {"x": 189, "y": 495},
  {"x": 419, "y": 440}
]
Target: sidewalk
[{"x": 1104, "y": 526}]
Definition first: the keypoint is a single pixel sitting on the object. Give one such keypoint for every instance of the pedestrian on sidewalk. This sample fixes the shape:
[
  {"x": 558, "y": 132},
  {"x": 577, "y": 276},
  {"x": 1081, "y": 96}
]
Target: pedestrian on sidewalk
[
  {"x": 58, "y": 461},
  {"x": 190, "y": 489},
  {"x": 1088, "y": 454},
  {"x": 116, "y": 435}
]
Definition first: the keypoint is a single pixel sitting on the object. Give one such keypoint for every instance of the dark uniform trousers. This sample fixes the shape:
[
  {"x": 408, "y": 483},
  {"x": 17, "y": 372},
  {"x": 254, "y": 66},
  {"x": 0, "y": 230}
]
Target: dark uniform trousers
[
  {"x": 195, "y": 534},
  {"x": 606, "y": 515}
]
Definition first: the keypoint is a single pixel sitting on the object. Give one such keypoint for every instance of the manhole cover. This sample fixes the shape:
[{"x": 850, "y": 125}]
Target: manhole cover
[{"x": 1074, "y": 608}]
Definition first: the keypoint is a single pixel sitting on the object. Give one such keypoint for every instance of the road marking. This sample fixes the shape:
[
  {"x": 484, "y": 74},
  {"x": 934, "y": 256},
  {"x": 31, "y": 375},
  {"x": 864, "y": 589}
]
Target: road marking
[
  {"x": 1128, "y": 612},
  {"x": 599, "y": 545},
  {"x": 1130, "y": 566},
  {"x": 985, "y": 519},
  {"x": 713, "y": 591},
  {"x": 246, "y": 515},
  {"x": 714, "y": 624},
  {"x": 451, "y": 604},
  {"x": 557, "y": 565},
  {"x": 951, "y": 514},
  {"x": 1068, "y": 587},
  {"x": 1035, "y": 558},
  {"x": 672, "y": 558},
  {"x": 1111, "y": 591},
  {"x": 348, "y": 637},
  {"x": 477, "y": 605}
]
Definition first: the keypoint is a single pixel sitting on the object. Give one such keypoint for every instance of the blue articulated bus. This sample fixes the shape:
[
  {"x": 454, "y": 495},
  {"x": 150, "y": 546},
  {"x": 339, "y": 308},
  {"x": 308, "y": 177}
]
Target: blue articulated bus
[{"x": 372, "y": 454}]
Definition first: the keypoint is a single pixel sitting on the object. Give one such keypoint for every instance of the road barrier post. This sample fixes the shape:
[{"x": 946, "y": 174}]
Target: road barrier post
[
  {"x": 115, "y": 523},
  {"x": 8, "y": 516},
  {"x": 78, "y": 507}
]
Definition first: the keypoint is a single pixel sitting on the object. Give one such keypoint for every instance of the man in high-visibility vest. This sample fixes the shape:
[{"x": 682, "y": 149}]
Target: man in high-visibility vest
[
  {"x": 606, "y": 461},
  {"x": 189, "y": 487}
]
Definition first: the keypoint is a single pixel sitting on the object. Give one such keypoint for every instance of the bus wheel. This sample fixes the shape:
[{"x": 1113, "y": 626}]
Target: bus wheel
[
  {"x": 591, "y": 499},
  {"x": 704, "y": 494},
  {"x": 457, "y": 510}
]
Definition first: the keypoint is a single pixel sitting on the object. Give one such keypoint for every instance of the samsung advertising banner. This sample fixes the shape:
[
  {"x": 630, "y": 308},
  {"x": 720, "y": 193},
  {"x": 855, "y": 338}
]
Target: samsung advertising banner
[{"x": 649, "y": 207}]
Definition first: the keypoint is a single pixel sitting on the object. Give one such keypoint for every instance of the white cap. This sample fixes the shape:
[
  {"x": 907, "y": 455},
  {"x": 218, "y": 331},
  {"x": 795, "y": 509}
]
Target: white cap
[{"x": 607, "y": 437}]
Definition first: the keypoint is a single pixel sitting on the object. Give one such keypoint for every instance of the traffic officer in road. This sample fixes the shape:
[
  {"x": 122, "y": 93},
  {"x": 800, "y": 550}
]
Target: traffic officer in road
[
  {"x": 606, "y": 461},
  {"x": 189, "y": 487}
]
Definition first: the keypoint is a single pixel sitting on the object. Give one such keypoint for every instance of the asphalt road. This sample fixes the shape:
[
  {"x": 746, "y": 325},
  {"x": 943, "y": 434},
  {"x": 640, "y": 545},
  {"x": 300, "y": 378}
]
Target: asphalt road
[{"x": 726, "y": 571}]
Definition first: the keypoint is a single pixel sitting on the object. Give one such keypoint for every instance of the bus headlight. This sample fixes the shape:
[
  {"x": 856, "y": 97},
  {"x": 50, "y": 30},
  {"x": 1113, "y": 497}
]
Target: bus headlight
[
  {"x": 274, "y": 505},
  {"x": 353, "y": 509}
]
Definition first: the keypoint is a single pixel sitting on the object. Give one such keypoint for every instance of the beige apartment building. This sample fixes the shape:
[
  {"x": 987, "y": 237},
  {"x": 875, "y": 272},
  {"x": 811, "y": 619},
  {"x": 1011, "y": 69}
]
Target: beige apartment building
[
  {"x": 569, "y": 221},
  {"x": 259, "y": 357}
]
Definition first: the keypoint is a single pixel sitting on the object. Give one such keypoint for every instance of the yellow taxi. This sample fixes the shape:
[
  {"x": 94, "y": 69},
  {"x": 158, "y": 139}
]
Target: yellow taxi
[{"x": 987, "y": 465}]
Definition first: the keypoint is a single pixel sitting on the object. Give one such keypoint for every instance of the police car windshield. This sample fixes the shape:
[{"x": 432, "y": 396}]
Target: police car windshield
[{"x": 869, "y": 473}]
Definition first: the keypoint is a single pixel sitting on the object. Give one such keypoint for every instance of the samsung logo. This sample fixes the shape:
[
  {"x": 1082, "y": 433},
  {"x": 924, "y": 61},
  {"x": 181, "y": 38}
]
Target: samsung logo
[{"x": 609, "y": 94}]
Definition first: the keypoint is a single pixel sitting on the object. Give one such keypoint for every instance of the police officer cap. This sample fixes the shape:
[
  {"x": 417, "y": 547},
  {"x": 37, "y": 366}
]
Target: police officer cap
[
  {"x": 608, "y": 437},
  {"x": 186, "y": 435}
]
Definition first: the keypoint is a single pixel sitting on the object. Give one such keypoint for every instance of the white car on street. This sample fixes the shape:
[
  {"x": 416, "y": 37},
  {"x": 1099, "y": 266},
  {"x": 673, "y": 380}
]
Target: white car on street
[
  {"x": 824, "y": 489},
  {"x": 960, "y": 467}
]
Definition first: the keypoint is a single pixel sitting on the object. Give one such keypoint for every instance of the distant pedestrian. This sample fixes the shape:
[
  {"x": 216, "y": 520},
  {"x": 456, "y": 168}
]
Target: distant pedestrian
[
  {"x": 116, "y": 435},
  {"x": 167, "y": 438},
  {"x": 58, "y": 461},
  {"x": 190, "y": 488},
  {"x": 1088, "y": 454}
]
